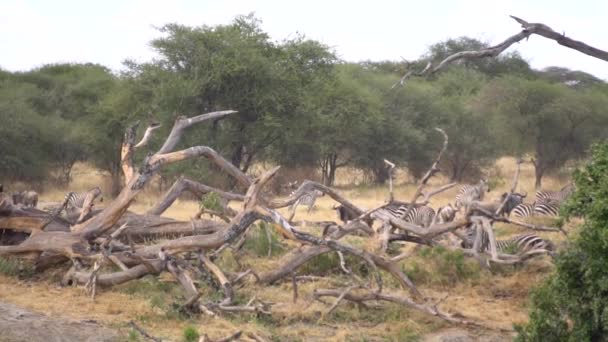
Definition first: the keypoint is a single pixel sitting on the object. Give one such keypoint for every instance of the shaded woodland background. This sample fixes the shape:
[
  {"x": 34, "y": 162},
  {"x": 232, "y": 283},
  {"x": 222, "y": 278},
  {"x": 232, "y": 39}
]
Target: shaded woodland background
[{"x": 299, "y": 106}]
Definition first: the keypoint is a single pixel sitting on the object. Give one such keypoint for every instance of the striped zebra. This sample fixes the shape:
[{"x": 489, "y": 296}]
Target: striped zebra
[
  {"x": 307, "y": 199},
  {"x": 469, "y": 193},
  {"x": 518, "y": 244},
  {"x": 420, "y": 215},
  {"x": 445, "y": 214},
  {"x": 75, "y": 200},
  {"x": 531, "y": 209},
  {"x": 558, "y": 197}
]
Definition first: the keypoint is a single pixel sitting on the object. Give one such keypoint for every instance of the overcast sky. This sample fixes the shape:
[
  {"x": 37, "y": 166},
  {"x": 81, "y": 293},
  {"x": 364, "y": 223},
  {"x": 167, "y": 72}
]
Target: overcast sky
[{"x": 37, "y": 32}]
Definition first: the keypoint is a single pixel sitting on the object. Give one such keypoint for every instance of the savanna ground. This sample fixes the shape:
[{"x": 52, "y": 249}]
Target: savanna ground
[{"x": 498, "y": 298}]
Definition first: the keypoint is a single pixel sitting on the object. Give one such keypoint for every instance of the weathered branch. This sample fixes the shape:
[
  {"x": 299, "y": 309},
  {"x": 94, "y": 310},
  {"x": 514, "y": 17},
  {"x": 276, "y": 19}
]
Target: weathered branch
[
  {"x": 513, "y": 187},
  {"x": 148, "y": 134},
  {"x": 182, "y": 123},
  {"x": 196, "y": 188},
  {"x": 430, "y": 173},
  {"x": 493, "y": 51}
]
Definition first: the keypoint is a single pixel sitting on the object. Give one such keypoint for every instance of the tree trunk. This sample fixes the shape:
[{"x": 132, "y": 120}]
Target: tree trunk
[
  {"x": 115, "y": 182},
  {"x": 538, "y": 175},
  {"x": 381, "y": 174}
]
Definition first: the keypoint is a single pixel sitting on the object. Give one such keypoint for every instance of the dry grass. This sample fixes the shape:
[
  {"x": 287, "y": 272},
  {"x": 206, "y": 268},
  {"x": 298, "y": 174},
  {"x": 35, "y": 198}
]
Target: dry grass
[{"x": 497, "y": 299}]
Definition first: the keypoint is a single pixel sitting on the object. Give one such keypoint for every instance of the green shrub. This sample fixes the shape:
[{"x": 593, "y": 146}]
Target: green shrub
[
  {"x": 133, "y": 336},
  {"x": 190, "y": 334},
  {"x": 14, "y": 267},
  {"x": 9, "y": 267},
  {"x": 211, "y": 201},
  {"x": 572, "y": 304},
  {"x": 257, "y": 240}
]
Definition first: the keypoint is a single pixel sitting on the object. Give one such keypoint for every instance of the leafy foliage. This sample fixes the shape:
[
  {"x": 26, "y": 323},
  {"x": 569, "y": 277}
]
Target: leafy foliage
[
  {"x": 299, "y": 106},
  {"x": 571, "y": 305}
]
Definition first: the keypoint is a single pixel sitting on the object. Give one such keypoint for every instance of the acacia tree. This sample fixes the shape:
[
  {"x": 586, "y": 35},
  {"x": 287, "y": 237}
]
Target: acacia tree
[
  {"x": 552, "y": 122},
  {"x": 240, "y": 67}
]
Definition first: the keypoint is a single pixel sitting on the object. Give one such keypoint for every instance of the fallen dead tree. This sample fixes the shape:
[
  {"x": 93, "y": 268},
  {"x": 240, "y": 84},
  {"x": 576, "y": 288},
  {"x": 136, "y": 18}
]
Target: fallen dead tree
[{"x": 114, "y": 236}]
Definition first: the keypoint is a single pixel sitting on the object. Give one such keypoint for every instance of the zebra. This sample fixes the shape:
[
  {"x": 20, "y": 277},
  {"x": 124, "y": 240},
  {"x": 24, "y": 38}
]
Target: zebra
[
  {"x": 421, "y": 216},
  {"x": 469, "y": 193},
  {"x": 532, "y": 209},
  {"x": 546, "y": 209},
  {"x": 518, "y": 244},
  {"x": 308, "y": 199},
  {"x": 523, "y": 210},
  {"x": 547, "y": 196},
  {"x": 445, "y": 214},
  {"x": 75, "y": 200}
]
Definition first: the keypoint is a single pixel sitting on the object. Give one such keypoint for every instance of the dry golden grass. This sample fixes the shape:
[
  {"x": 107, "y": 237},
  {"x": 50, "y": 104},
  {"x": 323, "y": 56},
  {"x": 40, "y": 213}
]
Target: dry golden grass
[{"x": 497, "y": 299}]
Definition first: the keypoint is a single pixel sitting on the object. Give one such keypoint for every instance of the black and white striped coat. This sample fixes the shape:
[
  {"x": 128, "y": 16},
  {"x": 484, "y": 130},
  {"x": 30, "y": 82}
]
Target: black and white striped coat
[
  {"x": 75, "y": 200},
  {"x": 554, "y": 197},
  {"x": 308, "y": 199},
  {"x": 534, "y": 209},
  {"x": 518, "y": 244},
  {"x": 469, "y": 193}
]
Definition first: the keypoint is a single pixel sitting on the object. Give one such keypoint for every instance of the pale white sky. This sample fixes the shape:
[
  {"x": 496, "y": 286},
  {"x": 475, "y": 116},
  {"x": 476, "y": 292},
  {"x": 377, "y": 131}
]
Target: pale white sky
[{"x": 37, "y": 32}]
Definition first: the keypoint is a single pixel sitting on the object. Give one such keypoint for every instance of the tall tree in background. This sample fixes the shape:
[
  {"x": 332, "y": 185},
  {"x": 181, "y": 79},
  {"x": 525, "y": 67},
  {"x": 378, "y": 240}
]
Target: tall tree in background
[{"x": 551, "y": 121}]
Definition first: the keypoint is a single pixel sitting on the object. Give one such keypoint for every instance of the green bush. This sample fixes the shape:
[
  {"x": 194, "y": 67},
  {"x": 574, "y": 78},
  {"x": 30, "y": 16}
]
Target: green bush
[
  {"x": 190, "y": 334},
  {"x": 571, "y": 304},
  {"x": 257, "y": 240},
  {"x": 14, "y": 267},
  {"x": 211, "y": 201}
]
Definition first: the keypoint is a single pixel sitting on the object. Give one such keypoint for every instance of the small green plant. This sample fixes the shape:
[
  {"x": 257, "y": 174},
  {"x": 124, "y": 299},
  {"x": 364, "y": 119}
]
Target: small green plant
[
  {"x": 9, "y": 267},
  {"x": 511, "y": 248},
  {"x": 14, "y": 267},
  {"x": 406, "y": 335},
  {"x": 258, "y": 242},
  {"x": 190, "y": 334},
  {"x": 211, "y": 201},
  {"x": 133, "y": 336}
]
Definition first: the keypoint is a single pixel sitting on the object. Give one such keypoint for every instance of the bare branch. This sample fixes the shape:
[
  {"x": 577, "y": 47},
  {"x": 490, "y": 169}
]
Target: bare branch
[
  {"x": 493, "y": 51},
  {"x": 148, "y": 134},
  {"x": 513, "y": 187},
  {"x": 430, "y": 173},
  {"x": 196, "y": 188},
  {"x": 182, "y": 123}
]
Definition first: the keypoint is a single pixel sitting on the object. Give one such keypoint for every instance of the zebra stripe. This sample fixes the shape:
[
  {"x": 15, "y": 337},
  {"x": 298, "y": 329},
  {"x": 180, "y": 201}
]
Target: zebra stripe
[
  {"x": 308, "y": 199},
  {"x": 548, "y": 209},
  {"x": 75, "y": 200},
  {"x": 422, "y": 216},
  {"x": 469, "y": 193},
  {"x": 528, "y": 210},
  {"x": 519, "y": 244},
  {"x": 547, "y": 196},
  {"x": 445, "y": 214},
  {"x": 523, "y": 210}
]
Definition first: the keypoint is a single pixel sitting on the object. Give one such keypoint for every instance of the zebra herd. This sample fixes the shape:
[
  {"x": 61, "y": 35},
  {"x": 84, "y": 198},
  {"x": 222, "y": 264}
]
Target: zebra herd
[{"x": 546, "y": 203}]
